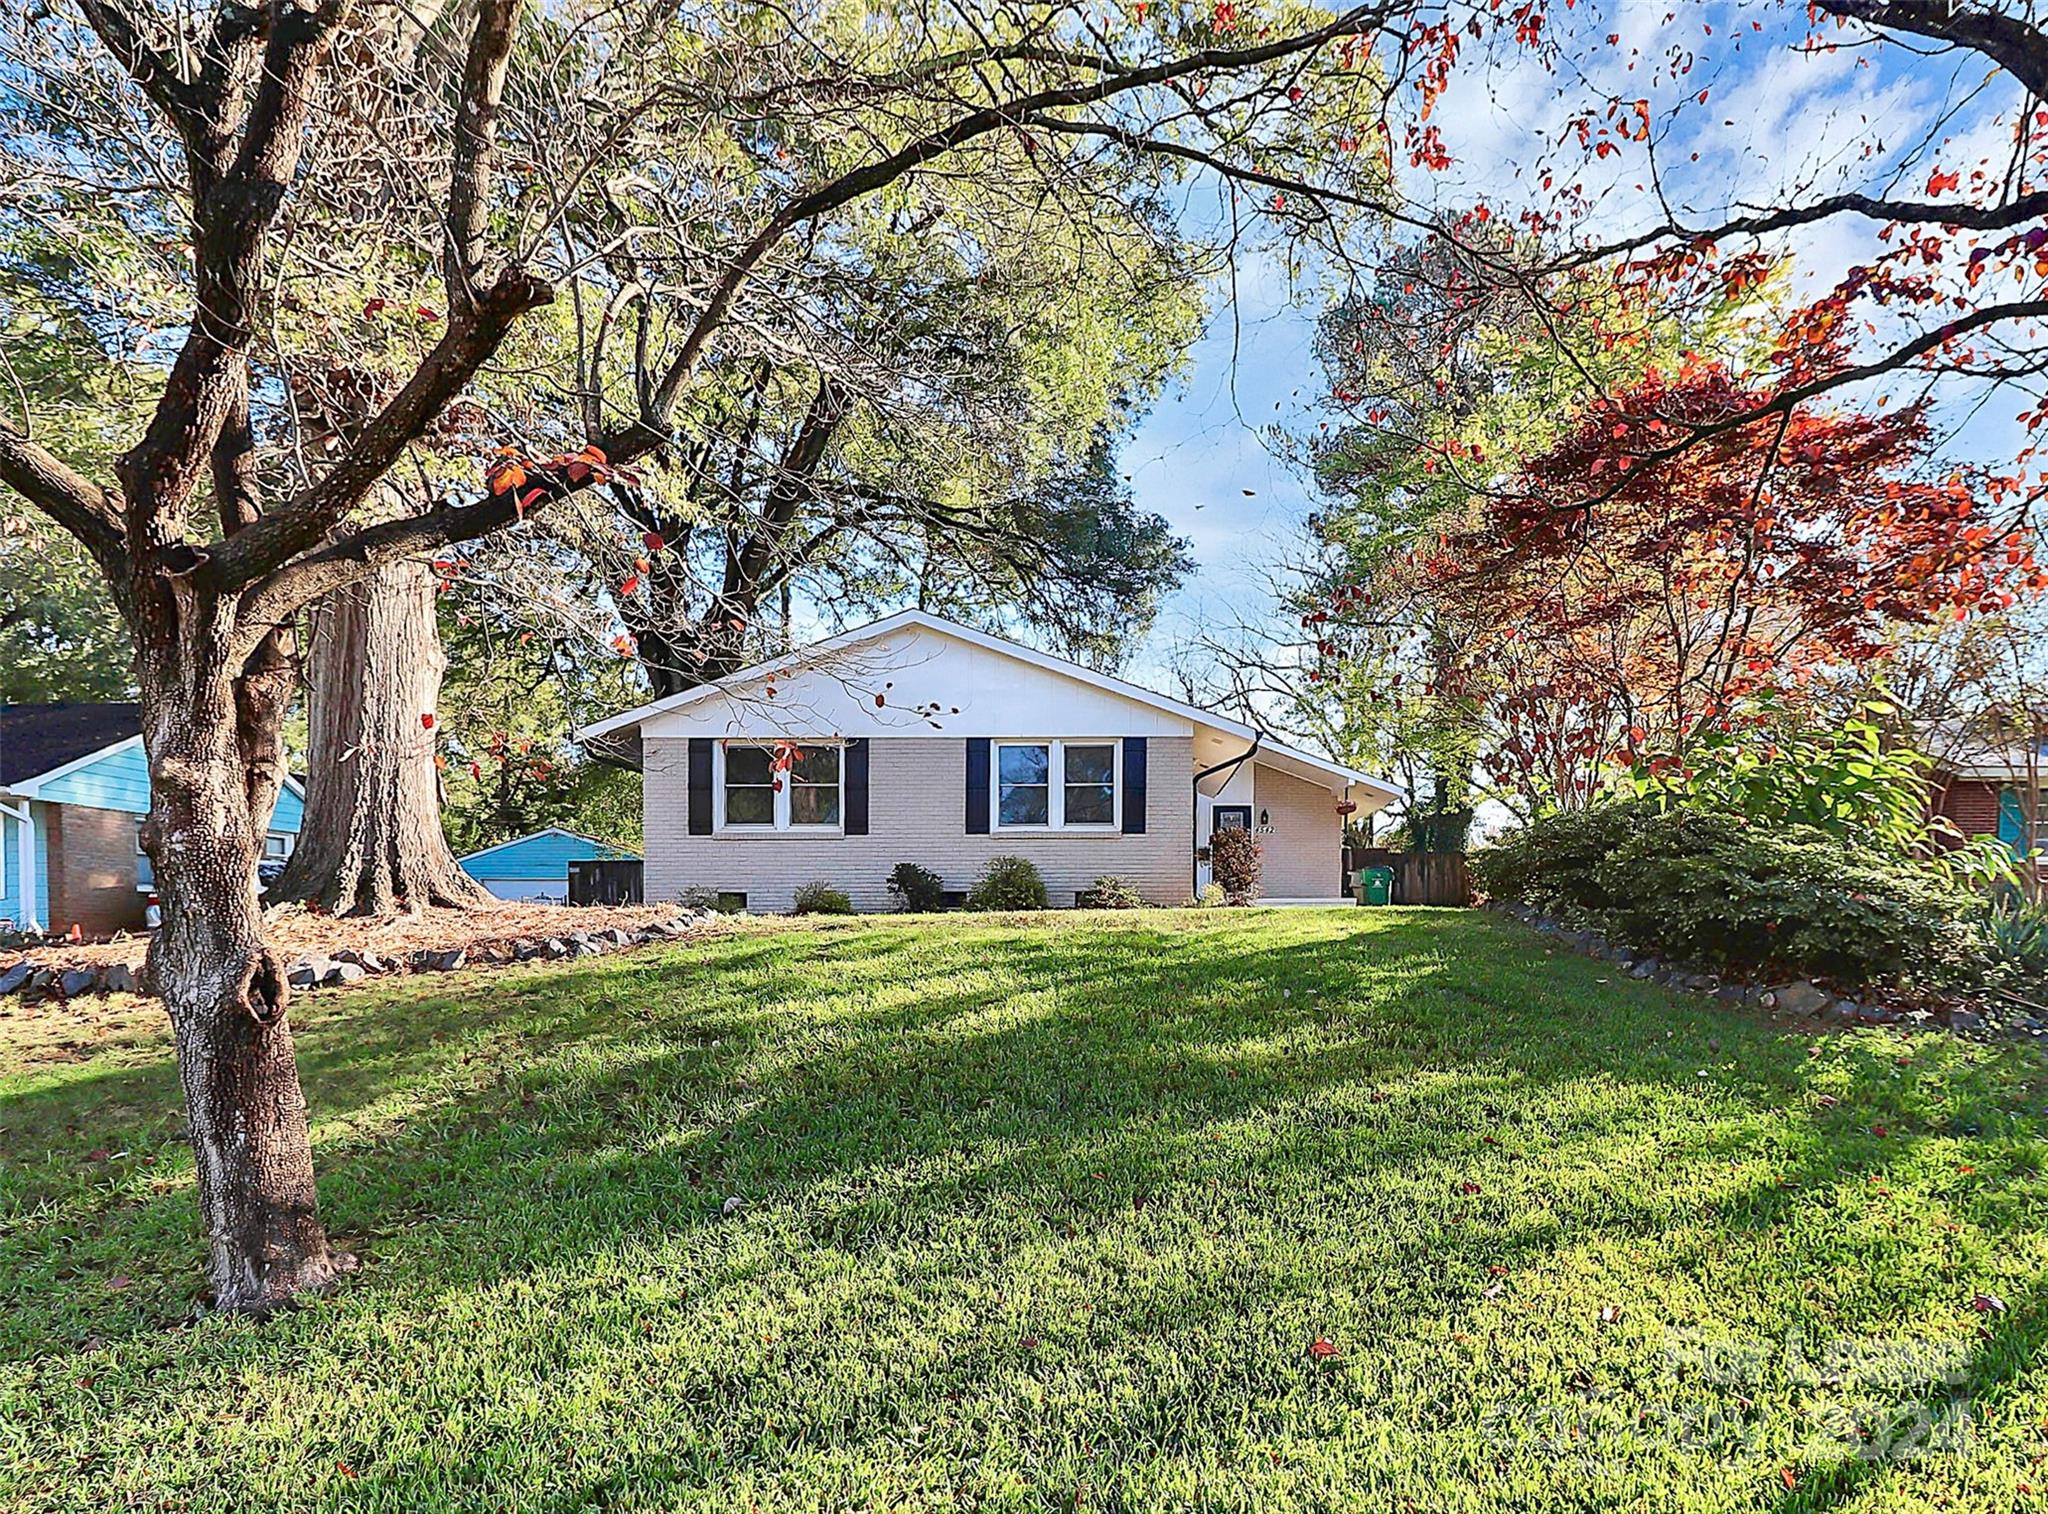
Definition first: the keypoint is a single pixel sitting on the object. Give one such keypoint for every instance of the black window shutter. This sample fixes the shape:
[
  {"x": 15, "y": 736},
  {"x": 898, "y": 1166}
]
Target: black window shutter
[
  {"x": 977, "y": 785},
  {"x": 700, "y": 786},
  {"x": 857, "y": 786},
  {"x": 1134, "y": 785}
]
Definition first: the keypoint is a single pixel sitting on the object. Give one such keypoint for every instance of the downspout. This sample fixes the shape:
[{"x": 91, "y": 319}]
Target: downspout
[
  {"x": 1195, "y": 803},
  {"x": 26, "y": 868}
]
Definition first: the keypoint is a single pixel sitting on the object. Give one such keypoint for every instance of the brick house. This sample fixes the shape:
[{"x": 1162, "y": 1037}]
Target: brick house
[
  {"x": 921, "y": 740},
  {"x": 1987, "y": 793},
  {"x": 74, "y": 788}
]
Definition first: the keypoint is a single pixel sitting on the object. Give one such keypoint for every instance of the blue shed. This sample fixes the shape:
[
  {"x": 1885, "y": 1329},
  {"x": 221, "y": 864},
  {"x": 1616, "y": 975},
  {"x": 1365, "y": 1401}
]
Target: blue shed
[{"x": 536, "y": 866}]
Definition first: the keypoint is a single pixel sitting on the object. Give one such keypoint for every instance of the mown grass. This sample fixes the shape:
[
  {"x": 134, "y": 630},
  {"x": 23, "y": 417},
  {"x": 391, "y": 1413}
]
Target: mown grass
[{"x": 1049, "y": 1214}]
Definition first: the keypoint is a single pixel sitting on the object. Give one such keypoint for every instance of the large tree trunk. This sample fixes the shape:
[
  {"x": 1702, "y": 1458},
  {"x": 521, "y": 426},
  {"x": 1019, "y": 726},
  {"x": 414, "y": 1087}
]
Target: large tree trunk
[
  {"x": 215, "y": 762},
  {"x": 372, "y": 841}
]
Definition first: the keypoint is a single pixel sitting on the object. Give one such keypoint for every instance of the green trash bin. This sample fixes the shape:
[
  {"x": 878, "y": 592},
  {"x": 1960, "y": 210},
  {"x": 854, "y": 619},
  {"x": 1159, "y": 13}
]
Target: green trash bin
[{"x": 1376, "y": 886}]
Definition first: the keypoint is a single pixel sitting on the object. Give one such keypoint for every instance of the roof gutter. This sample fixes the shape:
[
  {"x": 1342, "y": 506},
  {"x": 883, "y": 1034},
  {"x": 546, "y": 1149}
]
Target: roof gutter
[{"x": 1195, "y": 802}]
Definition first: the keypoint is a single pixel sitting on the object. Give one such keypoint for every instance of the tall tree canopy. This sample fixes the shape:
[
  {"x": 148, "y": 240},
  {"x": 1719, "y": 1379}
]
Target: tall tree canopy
[{"x": 932, "y": 420}]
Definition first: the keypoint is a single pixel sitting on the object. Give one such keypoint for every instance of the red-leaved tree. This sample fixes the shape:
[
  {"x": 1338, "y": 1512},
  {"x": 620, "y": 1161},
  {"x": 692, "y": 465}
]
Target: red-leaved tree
[{"x": 1628, "y": 596}]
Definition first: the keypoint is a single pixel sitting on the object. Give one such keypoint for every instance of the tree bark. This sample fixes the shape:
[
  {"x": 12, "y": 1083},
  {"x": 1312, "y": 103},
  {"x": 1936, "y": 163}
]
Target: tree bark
[
  {"x": 372, "y": 841},
  {"x": 214, "y": 764}
]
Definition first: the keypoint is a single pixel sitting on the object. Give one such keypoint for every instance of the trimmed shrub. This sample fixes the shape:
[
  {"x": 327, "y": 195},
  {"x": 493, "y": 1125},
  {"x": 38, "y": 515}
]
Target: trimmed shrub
[
  {"x": 921, "y": 890},
  {"x": 1211, "y": 897},
  {"x": 702, "y": 898},
  {"x": 821, "y": 898},
  {"x": 1552, "y": 863},
  {"x": 1112, "y": 892},
  {"x": 1008, "y": 883},
  {"x": 1236, "y": 861},
  {"x": 1716, "y": 889}
]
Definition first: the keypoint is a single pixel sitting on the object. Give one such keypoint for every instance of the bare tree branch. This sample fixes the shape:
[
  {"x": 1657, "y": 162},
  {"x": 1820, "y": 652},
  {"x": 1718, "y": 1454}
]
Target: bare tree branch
[{"x": 80, "y": 506}]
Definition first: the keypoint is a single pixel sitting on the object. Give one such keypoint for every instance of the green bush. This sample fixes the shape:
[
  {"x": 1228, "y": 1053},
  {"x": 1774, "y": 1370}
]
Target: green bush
[
  {"x": 821, "y": 898},
  {"x": 2016, "y": 940},
  {"x": 1211, "y": 897},
  {"x": 1113, "y": 893},
  {"x": 1554, "y": 863},
  {"x": 1235, "y": 861},
  {"x": 921, "y": 890},
  {"x": 1008, "y": 883},
  {"x": 1717, "y": 889},
  {"x": 1850, "y": 780}
]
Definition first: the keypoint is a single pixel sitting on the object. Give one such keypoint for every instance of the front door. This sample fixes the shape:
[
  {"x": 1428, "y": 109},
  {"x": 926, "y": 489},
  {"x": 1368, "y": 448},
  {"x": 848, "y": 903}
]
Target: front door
[{"x": 1222, "y": 817}]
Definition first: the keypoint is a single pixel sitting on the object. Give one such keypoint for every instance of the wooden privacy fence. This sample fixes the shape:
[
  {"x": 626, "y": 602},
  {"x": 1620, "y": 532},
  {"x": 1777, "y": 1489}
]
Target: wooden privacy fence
[
  {"x": 603, "y": 881},
  {"x": 1421, "y": 877}
]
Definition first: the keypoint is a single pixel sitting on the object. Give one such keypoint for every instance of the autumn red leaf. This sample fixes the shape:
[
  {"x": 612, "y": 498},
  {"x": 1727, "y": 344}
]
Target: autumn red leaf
[
  {"x": 427, "y": 719},
  {"x": 1323, "y": 1349}
]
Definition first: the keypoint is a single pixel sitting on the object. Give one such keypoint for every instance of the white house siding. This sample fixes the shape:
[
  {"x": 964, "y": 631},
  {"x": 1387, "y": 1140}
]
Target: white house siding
[
  {"x": 917, "y": 813},
  {"x": 1301, "y": 852},
  {"x": 919, "y": 676}
]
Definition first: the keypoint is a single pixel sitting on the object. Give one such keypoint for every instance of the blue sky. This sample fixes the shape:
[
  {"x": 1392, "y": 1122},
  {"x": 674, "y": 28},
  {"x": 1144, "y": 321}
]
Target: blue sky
[{"x": 1779, "y": 117}]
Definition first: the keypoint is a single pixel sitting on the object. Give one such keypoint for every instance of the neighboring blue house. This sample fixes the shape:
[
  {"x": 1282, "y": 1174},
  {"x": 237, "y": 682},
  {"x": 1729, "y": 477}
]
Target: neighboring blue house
[
  {"x": 74, "y": 786},
  {"x": 536, "y": 867}
]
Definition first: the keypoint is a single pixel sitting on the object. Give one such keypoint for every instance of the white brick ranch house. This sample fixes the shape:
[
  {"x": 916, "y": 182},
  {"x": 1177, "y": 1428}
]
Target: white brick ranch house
[{"x": 921, "y": 740}]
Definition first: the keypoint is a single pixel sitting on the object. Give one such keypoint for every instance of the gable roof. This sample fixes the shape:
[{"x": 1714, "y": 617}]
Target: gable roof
[
  {"x": 37, "y": 739},
  {"x": 602, "y": 849},
  {"x": 114, "y": 776},
  {"x": 925, "y": 621}
]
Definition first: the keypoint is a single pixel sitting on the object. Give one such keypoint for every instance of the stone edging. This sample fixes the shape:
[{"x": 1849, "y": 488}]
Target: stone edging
[
  {"x": 350, "y": 966},
  {"x": 1794, "y": 998}
]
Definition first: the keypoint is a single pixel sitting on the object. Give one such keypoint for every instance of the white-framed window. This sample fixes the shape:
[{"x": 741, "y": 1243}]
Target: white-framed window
[
  {"x": 755, "y": 795},
  {"x": 277, "y": 846},
  {"x": 1057, "y": 785}
]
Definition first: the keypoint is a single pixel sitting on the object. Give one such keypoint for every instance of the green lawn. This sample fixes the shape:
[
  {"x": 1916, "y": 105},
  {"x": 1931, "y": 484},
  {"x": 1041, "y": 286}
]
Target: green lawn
[{"x": 1051, "y": 1215}]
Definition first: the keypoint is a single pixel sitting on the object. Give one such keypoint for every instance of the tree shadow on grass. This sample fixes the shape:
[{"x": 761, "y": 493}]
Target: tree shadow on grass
[{"x": 1048, "y": 1126}]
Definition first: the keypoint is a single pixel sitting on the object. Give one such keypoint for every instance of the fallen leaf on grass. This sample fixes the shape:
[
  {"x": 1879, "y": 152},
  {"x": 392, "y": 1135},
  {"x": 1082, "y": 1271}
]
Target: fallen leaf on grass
[
  {"x": 1788, "y": 1477},
  {"x": 1322, "y": 1348},
  {"x": 1988, "y": 1303},
  {"x": 345, "y": 1470},
  {"x": 1610, "y": 1314}
]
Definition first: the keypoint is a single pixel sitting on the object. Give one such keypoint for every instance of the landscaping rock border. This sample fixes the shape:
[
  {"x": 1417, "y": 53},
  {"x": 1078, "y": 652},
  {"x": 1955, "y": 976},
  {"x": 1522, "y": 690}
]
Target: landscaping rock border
[
  {"x": 1798, "y": 998},
  {"x": 348, "y": 967}
]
